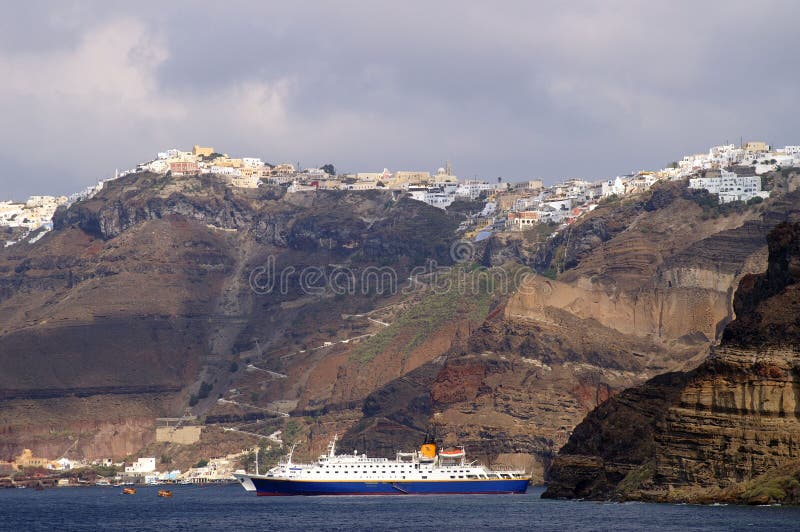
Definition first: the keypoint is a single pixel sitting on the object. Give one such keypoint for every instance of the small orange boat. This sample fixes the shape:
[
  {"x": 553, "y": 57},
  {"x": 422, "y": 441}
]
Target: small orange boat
[
  {"x": 164, "y": 493},
  {"x": 129, "y": 491}
]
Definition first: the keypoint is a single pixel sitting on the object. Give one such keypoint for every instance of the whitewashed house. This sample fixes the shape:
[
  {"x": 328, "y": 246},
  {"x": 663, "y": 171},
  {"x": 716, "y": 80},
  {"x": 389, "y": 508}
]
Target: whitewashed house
[
  {"x": 730, "y": 187},
  {"x": 611, "y": 187},
  {"x": 142, "y": 465}
]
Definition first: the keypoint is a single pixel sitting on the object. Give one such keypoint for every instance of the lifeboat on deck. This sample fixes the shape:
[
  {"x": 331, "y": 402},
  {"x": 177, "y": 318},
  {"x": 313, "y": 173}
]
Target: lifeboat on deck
[{"x": 451, "y": 453}]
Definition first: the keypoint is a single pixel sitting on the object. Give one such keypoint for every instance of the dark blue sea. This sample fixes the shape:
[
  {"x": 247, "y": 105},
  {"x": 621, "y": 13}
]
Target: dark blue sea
[{"x": 231, "y": 508}]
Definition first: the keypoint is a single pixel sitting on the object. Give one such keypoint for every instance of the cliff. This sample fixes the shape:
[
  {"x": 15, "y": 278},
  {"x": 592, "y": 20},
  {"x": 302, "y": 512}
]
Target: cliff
[
  {"x": 718, "y": 432},
  {"x": 145, "y": 292},
  {"x": 166, "y": 295}
]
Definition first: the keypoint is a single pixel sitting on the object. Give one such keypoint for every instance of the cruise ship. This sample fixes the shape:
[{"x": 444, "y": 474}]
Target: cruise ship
[{"x": 426, "y": 471}]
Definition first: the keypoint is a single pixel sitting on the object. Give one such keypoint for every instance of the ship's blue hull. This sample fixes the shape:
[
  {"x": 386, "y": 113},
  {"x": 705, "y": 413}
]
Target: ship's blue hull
[{"x": 266, "y": 487}]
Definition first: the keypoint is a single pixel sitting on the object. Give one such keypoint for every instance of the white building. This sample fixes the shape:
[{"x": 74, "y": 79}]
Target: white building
[
  {"x": 697, "y": 161},
  {"x": 730, "y": 187},
  {"x": 572, "y": 188},
  {"x": 297, "y": 187},
  {"x": 11, "y": 213},
  {"x": 252, "y": 162},
  {"x": 472, "y": 189},
  {"x": 64, "y": 464},
  {"x": 560, "y": 204},
  {"x": 363, "y": 185},
  {"x": 435, "y": 196},
  {"x": 611, "y": 187},
  {"x": 527, "y": 203},
  {"x": 519, "y": 221},
  {"x": 315, "y": 173},
  {"x": 640, "y": 183},
  {"x": 142, "y": 465},
  {"x": 169, "y": 154},
  {"x": 45, "y": 201},
  {"x": 791, "y": 150},
  {"x": 725, "y": 155},
  {"x": 225, "y": 170},
  {"x": 158, "y": 166},
  {"x": 36, "y": 212},
  {"x": 159, "y": 478}
]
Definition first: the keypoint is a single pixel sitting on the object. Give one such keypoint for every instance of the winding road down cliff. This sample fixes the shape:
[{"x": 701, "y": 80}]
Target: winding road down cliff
[{"x": 141, "y": 296}]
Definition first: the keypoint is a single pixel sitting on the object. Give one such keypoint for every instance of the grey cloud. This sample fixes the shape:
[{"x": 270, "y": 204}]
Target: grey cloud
[{"x": 520, "y": 90}]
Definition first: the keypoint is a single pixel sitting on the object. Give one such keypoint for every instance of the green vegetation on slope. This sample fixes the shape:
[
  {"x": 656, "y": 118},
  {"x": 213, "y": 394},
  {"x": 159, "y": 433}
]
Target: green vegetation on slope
[{"x": 465, "y": 292}]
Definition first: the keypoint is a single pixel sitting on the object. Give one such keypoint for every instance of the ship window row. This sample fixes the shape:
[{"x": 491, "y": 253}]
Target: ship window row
[
  {"x": 356, "y": 470},
  {"x": 423, "y": 476},
  {"x": 342, "y": 466}
]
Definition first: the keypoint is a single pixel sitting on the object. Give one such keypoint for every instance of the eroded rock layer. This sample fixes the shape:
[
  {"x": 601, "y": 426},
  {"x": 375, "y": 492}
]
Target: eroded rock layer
[{"x": 732, "y": 419}]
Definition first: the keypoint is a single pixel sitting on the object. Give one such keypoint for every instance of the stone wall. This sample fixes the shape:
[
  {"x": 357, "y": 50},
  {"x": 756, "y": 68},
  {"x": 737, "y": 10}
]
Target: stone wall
[{"x": 183, "y": 435}]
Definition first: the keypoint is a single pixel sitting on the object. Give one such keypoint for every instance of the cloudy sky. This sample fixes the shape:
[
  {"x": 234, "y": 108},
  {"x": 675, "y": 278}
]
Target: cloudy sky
[{"x": 513, "y": 89}]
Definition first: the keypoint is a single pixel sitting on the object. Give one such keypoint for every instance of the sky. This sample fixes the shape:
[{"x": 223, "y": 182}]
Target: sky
[{"x": 512, "y": 89}]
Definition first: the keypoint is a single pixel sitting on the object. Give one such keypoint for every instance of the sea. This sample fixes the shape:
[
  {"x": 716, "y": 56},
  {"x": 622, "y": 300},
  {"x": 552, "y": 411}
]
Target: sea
[{"x": 229, "y": 507}]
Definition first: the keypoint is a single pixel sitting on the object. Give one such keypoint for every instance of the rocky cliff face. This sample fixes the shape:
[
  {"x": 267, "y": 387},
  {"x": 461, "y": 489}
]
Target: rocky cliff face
[
  {"x": 718, "y": 427},
  {"x": 145, "y": 291},
  {"x": 143, "y": 300}
]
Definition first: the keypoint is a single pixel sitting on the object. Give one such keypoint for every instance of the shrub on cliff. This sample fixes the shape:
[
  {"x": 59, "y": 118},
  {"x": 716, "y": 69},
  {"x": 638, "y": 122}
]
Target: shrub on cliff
[{"x": 205, "y": 389}]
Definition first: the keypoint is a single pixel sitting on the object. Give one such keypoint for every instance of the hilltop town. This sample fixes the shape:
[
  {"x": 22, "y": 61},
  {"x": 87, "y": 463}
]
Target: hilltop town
[{"x": 729, "y": 171}]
